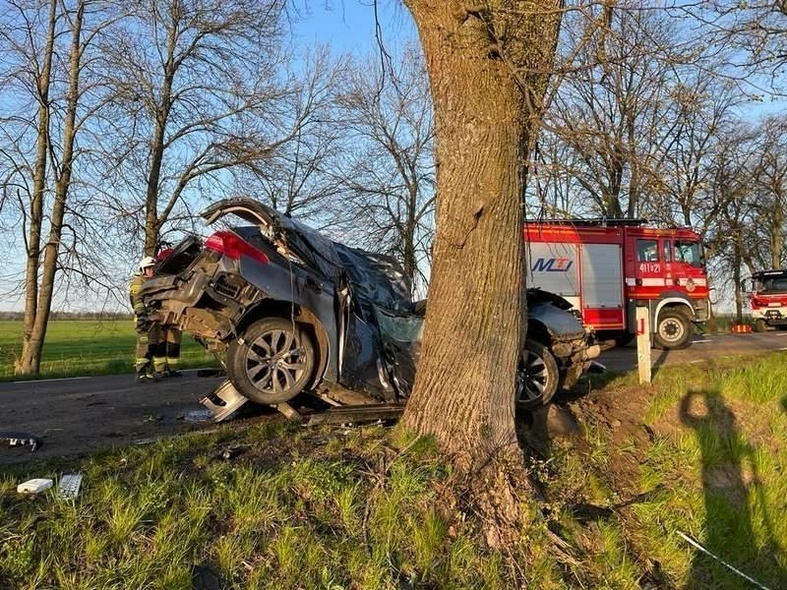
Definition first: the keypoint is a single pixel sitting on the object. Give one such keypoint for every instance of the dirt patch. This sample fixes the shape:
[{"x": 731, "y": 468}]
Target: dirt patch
[{"x": 616, "y": 413}]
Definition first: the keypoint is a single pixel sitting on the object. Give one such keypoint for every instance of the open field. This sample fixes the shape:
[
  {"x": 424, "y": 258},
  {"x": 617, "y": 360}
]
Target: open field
[{"x": 87, "y": 347}]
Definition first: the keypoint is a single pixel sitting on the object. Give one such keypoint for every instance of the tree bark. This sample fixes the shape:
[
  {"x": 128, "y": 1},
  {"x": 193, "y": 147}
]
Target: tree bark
[
  {"x": 32, "y": 341},
  {"x": 488, "y": 68},
  {"x": 32, "y": 346}
]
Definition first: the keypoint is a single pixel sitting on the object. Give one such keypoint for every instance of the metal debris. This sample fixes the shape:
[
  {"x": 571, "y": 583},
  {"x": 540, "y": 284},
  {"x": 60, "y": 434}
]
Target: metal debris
[
  {"x": 223, "y": 401},
  {"x": 357, "y": 414},
  {"x": 16, "y": 439}
]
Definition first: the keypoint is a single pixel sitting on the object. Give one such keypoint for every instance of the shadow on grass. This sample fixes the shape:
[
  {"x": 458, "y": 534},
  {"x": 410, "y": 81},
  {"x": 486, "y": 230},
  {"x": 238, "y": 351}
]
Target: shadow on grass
[
  {"x": 731, "y": 486},
  {"x": 658, "y": 360}
]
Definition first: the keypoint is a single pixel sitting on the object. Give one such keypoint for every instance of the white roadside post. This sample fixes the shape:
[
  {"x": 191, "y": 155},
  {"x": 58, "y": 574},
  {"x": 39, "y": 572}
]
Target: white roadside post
[{"x": 643, "y": 344}]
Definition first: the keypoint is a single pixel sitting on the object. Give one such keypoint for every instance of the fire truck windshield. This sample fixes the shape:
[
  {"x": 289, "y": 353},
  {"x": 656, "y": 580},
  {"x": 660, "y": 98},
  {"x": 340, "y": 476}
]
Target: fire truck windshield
[
  {"x": 772, "y": 284},
  {"x": 690, "y": 253}
]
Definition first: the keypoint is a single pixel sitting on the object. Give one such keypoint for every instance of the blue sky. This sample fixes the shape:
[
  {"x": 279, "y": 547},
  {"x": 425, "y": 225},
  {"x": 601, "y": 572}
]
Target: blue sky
[{"x": 349, "y": 25}]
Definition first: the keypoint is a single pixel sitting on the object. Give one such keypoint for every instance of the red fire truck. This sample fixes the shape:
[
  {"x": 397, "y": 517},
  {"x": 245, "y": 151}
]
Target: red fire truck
[
  {"x": 607, "y": 268},
  {"x": 768, "y": 299}
]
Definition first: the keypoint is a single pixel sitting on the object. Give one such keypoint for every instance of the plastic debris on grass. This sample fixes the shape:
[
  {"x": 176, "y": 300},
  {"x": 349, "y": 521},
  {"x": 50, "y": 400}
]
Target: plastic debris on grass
[{"x": 34, "y": 486}]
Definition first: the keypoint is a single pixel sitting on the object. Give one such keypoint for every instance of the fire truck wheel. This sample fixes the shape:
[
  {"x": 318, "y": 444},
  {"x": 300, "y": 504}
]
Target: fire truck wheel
[
  {"x": 674, "y": 330},
  {"x": 537, "y": 377},
  {"x": 760, "y": 325}
]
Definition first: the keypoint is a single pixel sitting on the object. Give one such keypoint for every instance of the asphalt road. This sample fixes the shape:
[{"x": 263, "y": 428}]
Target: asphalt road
[
  {"x": 702, "y": 348},
  {"x": 74, "y": 417},
  {"x": 77, "y": 416}
]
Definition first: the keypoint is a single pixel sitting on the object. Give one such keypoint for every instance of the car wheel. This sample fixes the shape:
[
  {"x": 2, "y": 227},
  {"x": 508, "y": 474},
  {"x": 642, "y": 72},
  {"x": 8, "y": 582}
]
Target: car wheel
[
  {"x": 271, "y": 362},
  {"x": 760, "y": 325},
  {"x": 673, "y": 330},
  {"x": 537, "y": 376}
]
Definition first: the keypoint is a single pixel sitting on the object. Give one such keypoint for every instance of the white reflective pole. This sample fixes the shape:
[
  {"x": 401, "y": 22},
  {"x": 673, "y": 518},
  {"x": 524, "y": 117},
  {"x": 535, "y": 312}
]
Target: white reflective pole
[{"x": 643, "y": 344}]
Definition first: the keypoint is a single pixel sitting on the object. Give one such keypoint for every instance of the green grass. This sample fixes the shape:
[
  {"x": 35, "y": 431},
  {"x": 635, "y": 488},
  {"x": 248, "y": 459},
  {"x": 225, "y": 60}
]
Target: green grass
[
  {"x": 707, "y": 461},
  {"x": 87, "y": 347},
  {"x": 355, "y": 516}
]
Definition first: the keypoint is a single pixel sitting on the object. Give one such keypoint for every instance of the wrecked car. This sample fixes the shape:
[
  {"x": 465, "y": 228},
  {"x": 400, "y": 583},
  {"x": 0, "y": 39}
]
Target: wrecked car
[{"x": 289, "y": 310}]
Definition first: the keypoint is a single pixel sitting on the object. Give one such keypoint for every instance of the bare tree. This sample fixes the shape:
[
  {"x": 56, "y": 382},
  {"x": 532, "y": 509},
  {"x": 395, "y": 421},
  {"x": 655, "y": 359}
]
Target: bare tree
[
  {"x": 732, "y": 208},
  {"x": 616, "y": 107},
  {"x": 198, "y": 92},
  {"x": 756, "y": 29},
  {"x": 299, "y": 176},
  {"x": 769, "y": 181},
  {"x": 388, "y": 168},
  {"x": 488, "y": 65},
  {"x": 701, "y": 108},
  {"x": 51, "y": 72}
]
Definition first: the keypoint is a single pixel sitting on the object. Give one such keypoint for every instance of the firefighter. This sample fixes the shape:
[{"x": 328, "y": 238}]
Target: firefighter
[
  {"x": 148, "y": 346},
  {"x": 170, "y": 334}
]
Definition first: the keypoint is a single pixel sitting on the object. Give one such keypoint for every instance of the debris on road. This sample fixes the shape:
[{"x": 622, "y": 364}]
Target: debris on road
[
  {"x": 16, "y": 439},
  {"x": 357, "y": 414},
  {"x": 223, "y": 401}
]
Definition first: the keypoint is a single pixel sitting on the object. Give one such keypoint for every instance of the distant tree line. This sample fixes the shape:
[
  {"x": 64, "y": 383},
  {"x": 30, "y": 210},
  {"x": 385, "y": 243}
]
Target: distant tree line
[{"x": 100, "y": 316}]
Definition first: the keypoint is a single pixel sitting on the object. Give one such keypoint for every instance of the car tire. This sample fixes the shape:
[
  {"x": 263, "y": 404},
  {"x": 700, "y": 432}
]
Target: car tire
[
  {"x": 674, "y": 330},
  {"x": 537, "y": 377},
  {"x": 271, "y": 362},
  {"x": 760, "y": 325}
]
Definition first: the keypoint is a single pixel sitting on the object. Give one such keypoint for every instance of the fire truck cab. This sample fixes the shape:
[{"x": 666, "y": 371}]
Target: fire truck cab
[
  {"x": 608, "y": 268},
  {"x": 768, "y": 299}
]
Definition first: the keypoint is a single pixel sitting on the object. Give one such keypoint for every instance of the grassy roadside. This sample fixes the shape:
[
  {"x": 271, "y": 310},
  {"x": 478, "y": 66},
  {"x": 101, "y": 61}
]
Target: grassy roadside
[
  {"x": 699, "y": 455},
  {"x": 274, "y": 505},
  {"x": 87, "y": 347}
]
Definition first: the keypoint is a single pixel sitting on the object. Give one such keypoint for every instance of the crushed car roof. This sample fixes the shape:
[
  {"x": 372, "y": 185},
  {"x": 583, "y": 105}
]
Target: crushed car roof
[{"x": 376, "y": 277}]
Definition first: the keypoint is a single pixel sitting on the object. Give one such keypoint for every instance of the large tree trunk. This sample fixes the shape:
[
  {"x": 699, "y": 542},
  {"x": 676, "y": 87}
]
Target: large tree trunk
[
  {"x": 32, "y": 347},
  {"x": 488, "y": 70},
  {"x": 32, "y": 340}
]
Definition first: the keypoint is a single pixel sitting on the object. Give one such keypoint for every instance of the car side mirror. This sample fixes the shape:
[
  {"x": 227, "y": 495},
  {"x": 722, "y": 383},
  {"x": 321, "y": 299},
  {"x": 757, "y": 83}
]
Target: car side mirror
[
  {"x": 746, "y": 286},
  {"x": 713, "y": 296}
]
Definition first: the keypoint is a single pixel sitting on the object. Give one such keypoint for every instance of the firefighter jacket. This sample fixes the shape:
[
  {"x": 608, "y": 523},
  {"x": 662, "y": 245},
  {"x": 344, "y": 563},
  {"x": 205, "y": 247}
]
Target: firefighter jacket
[{"x": 134, "y": 288}]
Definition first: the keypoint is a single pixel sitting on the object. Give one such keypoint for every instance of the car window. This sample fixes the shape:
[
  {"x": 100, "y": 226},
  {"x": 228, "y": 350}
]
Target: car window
[
  {"x": 667, "y": 251},
  {"x": 402, "y": 328},
  {"x": 773, "y": 285}
]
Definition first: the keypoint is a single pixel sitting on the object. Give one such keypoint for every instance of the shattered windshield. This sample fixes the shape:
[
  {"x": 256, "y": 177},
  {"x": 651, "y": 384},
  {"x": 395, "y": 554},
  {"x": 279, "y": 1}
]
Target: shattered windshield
[{"x": 400, "y": 328}]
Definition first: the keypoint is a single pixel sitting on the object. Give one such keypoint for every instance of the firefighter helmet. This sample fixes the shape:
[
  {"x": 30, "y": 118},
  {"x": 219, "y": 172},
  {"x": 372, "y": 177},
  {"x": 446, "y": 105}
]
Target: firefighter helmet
[{"x": 146, "y": 262}]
